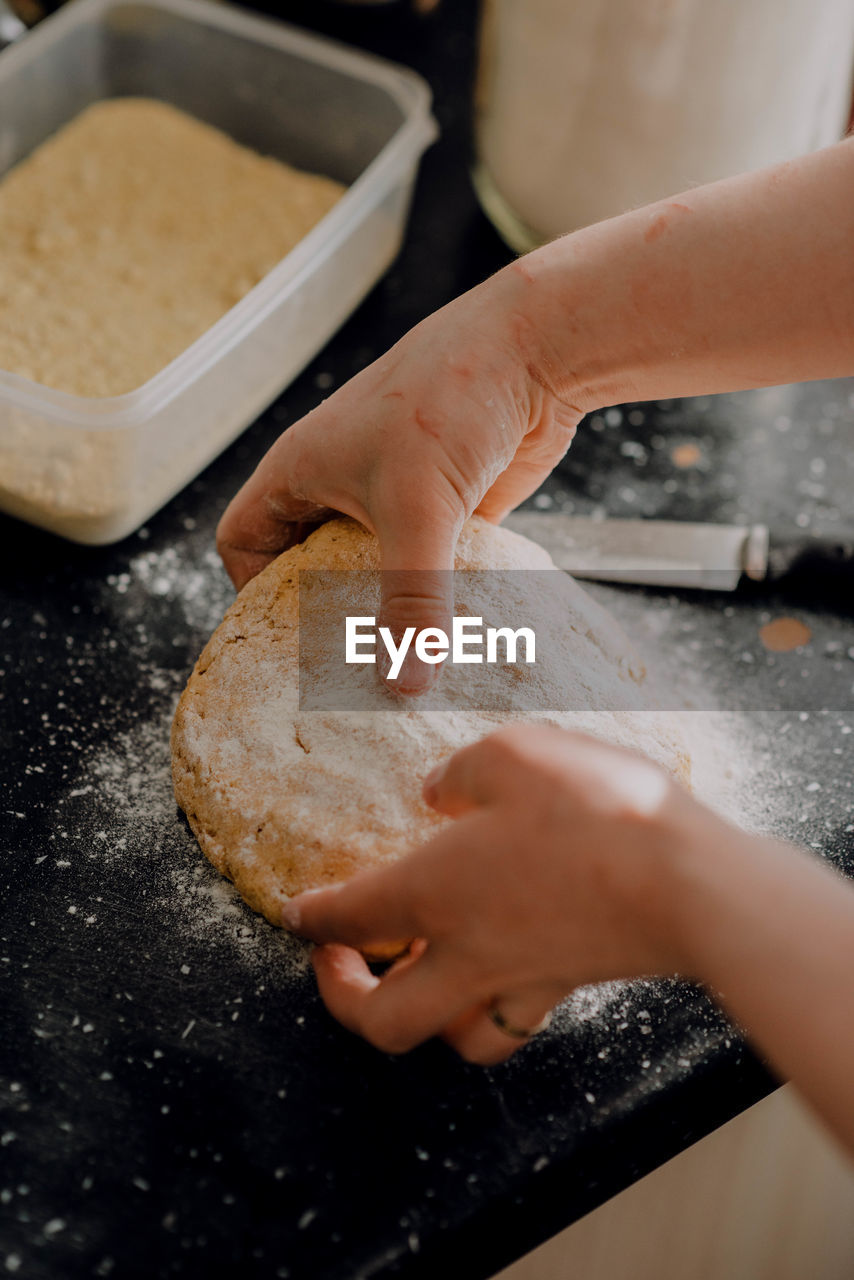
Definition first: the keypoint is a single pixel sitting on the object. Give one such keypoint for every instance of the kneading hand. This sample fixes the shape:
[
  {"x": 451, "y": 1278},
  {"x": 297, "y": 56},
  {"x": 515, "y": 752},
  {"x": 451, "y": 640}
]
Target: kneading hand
[
  {"x": 570, "y": 862},
  {"x": 548, "y": 878},
  {"x": 453, "y": 420},
  {"x": 471, "y": 410}
]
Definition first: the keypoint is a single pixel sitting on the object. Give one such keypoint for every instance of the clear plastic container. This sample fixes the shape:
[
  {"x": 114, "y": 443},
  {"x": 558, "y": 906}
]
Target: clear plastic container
[{"x": 95, "y": 469}]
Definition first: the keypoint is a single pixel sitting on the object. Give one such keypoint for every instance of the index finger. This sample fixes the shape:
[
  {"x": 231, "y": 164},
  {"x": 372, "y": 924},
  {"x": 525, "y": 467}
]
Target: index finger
[
  {"x": 373, "y": 908},
  {"x": 482, "y": 774},
  {"x": 417, "y": 584}
]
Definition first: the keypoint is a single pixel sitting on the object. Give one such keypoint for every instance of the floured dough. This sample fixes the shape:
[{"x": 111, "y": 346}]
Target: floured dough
[{"x": 283, "y": 800}]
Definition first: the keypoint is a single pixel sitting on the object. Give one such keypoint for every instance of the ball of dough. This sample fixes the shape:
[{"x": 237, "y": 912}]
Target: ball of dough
[{"x": 283, "y": 800}]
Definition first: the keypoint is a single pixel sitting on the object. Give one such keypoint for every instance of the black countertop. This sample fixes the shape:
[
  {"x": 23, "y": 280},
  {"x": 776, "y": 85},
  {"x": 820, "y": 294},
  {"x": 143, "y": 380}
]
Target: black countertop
[{"x": 174, "y": 1100}]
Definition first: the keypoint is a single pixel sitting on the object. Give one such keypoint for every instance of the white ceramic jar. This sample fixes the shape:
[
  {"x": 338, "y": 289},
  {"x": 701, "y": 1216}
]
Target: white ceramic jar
[{"x": 586, "y": 108}]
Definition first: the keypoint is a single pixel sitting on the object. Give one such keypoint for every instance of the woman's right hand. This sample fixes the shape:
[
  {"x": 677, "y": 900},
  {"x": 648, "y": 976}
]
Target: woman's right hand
[
  {"x": 471, "y": 410},
  {"x": 453, "y": 420}
]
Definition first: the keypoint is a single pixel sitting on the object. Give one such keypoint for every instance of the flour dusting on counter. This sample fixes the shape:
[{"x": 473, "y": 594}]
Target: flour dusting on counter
[{"x": 119, "y": 805}]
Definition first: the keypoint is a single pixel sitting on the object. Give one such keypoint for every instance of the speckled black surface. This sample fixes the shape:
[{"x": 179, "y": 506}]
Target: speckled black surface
[{"x": 174, "y": 1101}]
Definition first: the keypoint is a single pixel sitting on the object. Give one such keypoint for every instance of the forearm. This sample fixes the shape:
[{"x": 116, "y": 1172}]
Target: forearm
[
  {"x": 744, "y": 283},
  {"x": 770, "y": 931}
]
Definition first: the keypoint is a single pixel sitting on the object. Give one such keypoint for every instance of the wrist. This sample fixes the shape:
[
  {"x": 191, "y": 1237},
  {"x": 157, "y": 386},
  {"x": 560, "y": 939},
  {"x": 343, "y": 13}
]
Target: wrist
[
  {"x": 714, "y": 879},
  {"x": 570, "y": 335},
  {"x": 679, "y": 888}
]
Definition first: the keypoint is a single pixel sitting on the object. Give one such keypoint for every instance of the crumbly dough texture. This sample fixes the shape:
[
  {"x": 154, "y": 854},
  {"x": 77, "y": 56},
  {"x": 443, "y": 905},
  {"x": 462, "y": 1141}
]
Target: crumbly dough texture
[
  {"x": 283, "y": 800},
  {"x": 128, "y": 234}
]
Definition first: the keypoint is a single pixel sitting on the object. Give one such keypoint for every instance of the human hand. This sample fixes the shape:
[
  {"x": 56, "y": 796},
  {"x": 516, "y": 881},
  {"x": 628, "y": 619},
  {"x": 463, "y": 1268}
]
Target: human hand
[
  {"x": 554, "y": 874},
  {"x": 472, "y": 408},
  {"x": 451, "y": 421}
]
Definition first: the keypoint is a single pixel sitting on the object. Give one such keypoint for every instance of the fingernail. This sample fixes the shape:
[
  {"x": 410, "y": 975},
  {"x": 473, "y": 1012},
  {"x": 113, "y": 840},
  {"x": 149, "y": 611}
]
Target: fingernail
[
  {"x": 431, "y": 782},
  {"x": 291, "y": 915},
  {"x": 416, "y": 677},
  {"x": 291, "y": 910}
]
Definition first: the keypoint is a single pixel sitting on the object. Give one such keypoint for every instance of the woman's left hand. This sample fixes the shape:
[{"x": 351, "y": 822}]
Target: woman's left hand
[{"x": 553, "y": 875}]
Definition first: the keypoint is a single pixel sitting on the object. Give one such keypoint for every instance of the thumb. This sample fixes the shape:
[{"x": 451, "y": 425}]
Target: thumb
[
  {"x": 417, "y": 557},
  {"x": 266, "y": 516},
  {"x": 288, "y": 494}
]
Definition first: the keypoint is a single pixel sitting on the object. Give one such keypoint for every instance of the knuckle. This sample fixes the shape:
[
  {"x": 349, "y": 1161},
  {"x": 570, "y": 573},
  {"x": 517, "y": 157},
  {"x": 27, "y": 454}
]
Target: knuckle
[
  {"x": 633, "y": 789},
  {"x": 555, "y": 431},
  {"x": 426, "y": 499},
  {"x": 297, "y": 464},
  {"x": 421, "y": 605}
]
